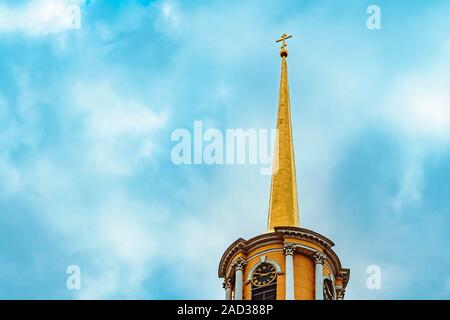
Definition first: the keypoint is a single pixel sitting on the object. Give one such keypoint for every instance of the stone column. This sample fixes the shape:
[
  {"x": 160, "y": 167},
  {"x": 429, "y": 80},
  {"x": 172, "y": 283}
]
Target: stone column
[
  {"x": 228, "y": 288},
  {"x": 239, "y": 275},
  {"x": 318, "y": 260},
  {"x": 289, "y": 255}
]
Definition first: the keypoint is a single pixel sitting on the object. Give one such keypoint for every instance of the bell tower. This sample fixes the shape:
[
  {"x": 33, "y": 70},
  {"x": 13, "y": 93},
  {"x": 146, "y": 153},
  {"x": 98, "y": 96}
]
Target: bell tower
[{"x": 287, "y": 262}]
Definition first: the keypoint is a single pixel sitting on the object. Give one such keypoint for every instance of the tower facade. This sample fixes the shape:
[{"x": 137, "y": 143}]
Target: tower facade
[{"x": 286, "y": 262}]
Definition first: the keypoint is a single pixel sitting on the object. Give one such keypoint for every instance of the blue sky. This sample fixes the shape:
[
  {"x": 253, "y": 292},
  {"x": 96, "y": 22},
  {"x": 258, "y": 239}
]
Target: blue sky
[{"x": 86, "y": 116}]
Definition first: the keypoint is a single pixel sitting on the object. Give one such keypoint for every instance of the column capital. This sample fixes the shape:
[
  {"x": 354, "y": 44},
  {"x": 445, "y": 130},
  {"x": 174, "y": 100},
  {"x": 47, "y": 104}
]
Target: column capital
[
  {"x": 289, "y": 249},
  {"x": 319, "y": 257},
  {"x": 239, "y": 264},
  {"x": 340, "y": 292},
  {"x": 227, "y": 283}
]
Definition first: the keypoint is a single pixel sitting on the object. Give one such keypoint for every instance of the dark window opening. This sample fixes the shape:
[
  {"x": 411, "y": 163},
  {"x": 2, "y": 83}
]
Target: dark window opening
[{"x": 265, "y": 293}]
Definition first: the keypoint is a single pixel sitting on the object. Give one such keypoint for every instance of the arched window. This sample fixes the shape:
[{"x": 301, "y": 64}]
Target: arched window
[{"x": 264, "y": 282}]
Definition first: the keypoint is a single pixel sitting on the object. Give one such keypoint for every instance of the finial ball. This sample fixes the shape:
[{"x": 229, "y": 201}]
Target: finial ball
[{"x": 283, "y": 52}]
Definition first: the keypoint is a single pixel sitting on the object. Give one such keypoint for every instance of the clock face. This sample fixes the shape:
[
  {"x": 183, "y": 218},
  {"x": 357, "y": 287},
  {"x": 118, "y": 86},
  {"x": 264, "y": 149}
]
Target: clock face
[{"x": 264, "y": 275}]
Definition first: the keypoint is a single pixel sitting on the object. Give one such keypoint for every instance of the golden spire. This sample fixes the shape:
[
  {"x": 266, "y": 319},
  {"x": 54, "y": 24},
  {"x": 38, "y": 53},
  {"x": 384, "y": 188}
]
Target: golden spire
[{"x": 283, "y": 207}]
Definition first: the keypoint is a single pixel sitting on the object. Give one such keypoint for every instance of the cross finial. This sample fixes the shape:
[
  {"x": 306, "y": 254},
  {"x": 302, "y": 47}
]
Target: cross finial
[{"x": 283, "y": 38}]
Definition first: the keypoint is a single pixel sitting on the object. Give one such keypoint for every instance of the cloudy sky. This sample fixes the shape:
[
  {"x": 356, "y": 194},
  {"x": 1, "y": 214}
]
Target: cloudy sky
[{"x": 87, "y": 111}]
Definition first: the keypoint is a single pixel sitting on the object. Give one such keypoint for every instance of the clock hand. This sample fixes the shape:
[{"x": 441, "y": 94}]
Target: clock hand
[{"x": 265, "y": 274}]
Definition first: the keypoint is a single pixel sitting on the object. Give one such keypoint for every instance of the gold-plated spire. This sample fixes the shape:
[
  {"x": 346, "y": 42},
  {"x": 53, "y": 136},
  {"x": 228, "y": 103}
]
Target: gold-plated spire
[{"x": 283, "y": 207}]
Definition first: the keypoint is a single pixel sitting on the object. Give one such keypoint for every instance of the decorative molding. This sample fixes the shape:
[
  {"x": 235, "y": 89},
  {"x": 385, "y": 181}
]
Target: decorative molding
[
  {"x": 344, "y": 274},
  {"x": 238, "y": 246},
  {"x": 304, "y": 249},
  {"x": 328, "y": 289},
  {"x": 306, "y": 235},
  {"x": 239, "y": 264},
  {"x": 227, "y": 283},
  {"x": 340, "y": 292},
  {"x": 263, "y": 253},
  {"x": 319, "y": 258},
  {"x": 289, "y": 249}
]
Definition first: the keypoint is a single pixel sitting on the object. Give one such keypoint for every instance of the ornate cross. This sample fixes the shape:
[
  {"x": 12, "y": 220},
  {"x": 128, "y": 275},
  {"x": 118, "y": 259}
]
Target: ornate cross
[{"x": 283, "y": 38}]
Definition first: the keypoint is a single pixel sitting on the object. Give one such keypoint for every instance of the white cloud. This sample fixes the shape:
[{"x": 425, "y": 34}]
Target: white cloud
[
  {"x": 125, "y": 233},
  {"x": 111, "y": 234},
  {"x": 119, "y": 132},
  {"x": 169, "y": 19},
  {"x": 128, "y": 237},
  {"x": 125, "y": 240},
  {"x": 417, "y": 110},
  {"x": 411, "y": 184},
  {"x": 418, "y": 105},
  {"x": 41, "y": 16},
  {"x": 167, "y": 10}
]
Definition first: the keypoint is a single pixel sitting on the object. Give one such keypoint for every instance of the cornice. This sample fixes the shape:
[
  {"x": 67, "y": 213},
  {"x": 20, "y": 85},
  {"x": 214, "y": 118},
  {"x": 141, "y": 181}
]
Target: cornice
[
  {"x": 278, "y": 237},
  {"x": 305, "y": 234},
  {"x": 237, "y": 246}
]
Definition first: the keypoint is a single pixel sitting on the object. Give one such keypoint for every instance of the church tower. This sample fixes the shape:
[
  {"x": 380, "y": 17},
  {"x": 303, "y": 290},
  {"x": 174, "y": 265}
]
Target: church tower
[{"x": 286, "y": 262}]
